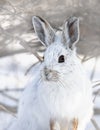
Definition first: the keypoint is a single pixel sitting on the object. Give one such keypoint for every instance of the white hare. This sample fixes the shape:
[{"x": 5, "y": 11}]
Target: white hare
[{"x": 60, "y": 90}]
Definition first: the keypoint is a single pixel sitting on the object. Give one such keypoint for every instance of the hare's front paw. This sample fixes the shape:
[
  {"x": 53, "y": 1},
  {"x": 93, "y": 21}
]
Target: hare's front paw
[
  {"x": 54, "y": 125},
  {"x": 74, "y": 124}
]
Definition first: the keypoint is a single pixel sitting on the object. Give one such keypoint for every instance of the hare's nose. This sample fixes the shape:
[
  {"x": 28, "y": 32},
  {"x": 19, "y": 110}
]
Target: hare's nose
[
  {"x": 47, "y": 71},
  {"x": 50, "y": 74}
]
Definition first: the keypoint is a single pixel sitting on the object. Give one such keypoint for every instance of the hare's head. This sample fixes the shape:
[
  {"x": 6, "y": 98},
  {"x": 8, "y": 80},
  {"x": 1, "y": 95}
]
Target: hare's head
[{"x": 59, "y": 57}]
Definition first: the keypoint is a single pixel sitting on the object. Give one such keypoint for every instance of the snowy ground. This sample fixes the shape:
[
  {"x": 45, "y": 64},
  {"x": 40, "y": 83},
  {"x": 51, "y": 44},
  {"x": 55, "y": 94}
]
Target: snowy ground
[{"x": 12, "y": 76}]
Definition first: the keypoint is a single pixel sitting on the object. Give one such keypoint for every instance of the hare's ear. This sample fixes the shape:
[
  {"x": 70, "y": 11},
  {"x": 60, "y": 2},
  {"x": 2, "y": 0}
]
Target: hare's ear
[
  {"x": 70, "y": 35},
  {"x": 43, "y": 30}
]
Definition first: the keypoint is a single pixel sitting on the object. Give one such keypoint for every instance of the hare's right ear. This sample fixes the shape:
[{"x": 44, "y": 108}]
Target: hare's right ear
[
  {"x": 70, "y": 35},
  {"x": 43, "y": 30}
]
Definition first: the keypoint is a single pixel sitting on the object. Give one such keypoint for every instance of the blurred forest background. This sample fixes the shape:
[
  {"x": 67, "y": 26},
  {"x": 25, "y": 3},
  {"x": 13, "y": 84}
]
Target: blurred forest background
[{"x": 20, "y": 49}]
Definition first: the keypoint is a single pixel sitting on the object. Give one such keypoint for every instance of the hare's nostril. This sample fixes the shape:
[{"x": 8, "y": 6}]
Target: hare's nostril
[{"x": 46, "y": 73}]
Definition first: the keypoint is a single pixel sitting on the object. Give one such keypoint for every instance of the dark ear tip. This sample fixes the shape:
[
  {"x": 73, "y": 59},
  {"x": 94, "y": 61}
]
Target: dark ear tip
[
  {"x": 34, "y": 18},
  {"x": 37, "y": 18},
  {"x": 73, "y": 20}
]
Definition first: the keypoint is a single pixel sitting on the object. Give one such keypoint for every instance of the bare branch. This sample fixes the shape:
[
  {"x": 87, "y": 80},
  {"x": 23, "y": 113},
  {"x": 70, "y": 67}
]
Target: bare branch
[
  {"x": 95, "y": 124},
  {"x": 9, "y": 109},
  {"x": 11, "y": 90},
  {"x": 93, "y": 71},
  {"x": 14, "y": 13},
  {"x": 84, "y": 58},
  {"x": 27, "y": 71},
  {"x": 23, "y": 43},
  {"x": 96, "y": 111},
  {"x": 10, "y": 53},
  {"x": 96, "y": 95},
  {"x": 96, "y": 85},
  {"x": 9, "y": 96}
]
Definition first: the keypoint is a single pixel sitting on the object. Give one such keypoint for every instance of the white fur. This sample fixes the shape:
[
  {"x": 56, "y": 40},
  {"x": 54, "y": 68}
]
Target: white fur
[{"x": 65, "y": 99}]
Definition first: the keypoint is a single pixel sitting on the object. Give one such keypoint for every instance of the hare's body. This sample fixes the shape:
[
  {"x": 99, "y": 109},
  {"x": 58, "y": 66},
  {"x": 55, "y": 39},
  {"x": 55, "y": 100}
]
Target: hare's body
[{"x": 60, "y": 91}]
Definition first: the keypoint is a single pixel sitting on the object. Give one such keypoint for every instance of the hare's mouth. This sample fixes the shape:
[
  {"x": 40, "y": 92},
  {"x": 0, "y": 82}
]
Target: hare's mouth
[{"x": 50, "y": 75}]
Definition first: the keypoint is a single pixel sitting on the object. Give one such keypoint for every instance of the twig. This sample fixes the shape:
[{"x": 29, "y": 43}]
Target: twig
[
  {"x": 96, "y": 85},
  {"x": 84, "y": 58},
  {"x": 96, "y": 111},
  {"x": 96, "y": 95},
  {"x": 95, "y": 124},
  {"x": 23, "y": 43},
  {"x": 8, "y": 109},
  {"x": 27, "y": 71},
  {"x": 98, "y": 91},
  {"x": 93, "y": 71},
  {"x": 13, "y": 13},
  {"x": 8, "y": 96},
  {"x": 13, "y": 89},
  {"x": 10, "y": 53}
]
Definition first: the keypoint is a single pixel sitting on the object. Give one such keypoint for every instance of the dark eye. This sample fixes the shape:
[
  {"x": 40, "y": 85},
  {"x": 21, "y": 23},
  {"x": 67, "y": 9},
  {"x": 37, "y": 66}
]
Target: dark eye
[{"x": 61, "y": 59}]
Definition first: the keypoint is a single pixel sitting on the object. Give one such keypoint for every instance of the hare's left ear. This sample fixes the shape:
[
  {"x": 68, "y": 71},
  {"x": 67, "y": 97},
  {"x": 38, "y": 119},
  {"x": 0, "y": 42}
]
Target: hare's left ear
[
  {"x": 43, "y": 30},
  {"x": 70, "y": 34}
]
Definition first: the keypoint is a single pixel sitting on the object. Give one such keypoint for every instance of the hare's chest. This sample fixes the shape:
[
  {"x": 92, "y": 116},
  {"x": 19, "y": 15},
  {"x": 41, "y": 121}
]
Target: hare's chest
[{"x": 60, "y": 103}]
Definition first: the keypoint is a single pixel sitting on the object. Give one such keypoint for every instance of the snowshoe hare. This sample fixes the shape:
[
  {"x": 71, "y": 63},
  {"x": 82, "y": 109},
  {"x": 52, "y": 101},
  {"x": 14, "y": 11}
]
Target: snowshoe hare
[{"x": 60, "y": 89}]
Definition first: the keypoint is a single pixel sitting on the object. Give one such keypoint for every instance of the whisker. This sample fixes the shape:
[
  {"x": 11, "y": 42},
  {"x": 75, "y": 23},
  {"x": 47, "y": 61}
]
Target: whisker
[{"x": 61, "y": 84}]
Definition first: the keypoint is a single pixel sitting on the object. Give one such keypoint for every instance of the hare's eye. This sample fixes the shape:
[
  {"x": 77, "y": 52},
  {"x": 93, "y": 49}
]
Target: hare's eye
[{"x": 61, "y": 59}]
